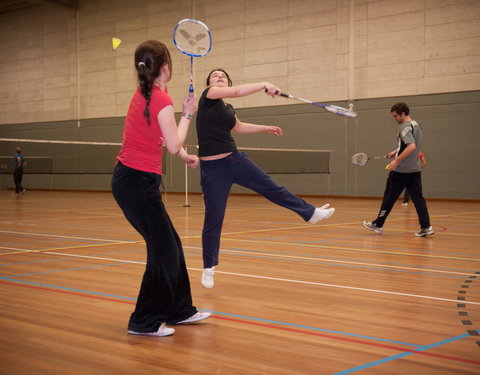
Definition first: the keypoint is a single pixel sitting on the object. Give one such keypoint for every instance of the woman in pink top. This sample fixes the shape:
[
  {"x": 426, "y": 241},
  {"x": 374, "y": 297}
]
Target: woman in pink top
[{"x": 164, "y": 296}]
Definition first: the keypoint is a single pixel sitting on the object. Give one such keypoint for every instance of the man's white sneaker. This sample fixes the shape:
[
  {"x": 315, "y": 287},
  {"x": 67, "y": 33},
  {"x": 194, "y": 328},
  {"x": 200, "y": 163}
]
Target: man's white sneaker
[
  {"x": 321, "y": 213},
  {"x": 196, "y": 317},
  {"x": 425, "y": 232},
  {"x": 371, "y": 226},
  {"x": 207, "y": 278},
  {"x": 163, "y": 330}
]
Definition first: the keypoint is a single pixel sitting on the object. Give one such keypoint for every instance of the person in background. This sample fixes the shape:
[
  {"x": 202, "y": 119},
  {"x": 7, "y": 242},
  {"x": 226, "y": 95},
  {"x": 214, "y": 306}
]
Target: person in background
[
  {"x": 406, "y": 196},
  {"x": 405, "y": 172},
  {"x": 165, "y": 296},
  {"x": 18, "y": 164}
]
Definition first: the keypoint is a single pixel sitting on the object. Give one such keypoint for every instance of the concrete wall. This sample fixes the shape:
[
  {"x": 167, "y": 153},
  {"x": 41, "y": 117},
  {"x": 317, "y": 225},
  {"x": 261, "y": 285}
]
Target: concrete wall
[
  {"x": 60, "y": 79},
  {"x": 449, "y": 123}
]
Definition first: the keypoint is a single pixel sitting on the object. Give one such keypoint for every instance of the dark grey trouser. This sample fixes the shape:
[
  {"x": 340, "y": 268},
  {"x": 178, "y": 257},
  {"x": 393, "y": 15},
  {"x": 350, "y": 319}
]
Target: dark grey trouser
[{"x": 165, "y": 294}]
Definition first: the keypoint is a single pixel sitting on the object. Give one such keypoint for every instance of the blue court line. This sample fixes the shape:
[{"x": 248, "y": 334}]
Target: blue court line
[
  {"x": 71, "y": 289},
  {"x": 62, "y": 270},
  {"x": 401, "y": 355},
  {"x": 67, "y": 258},
  {"x": 419, "y": 272},
  {"x": 256, "y": 257},
  {"x": 350, "y": 265},
  {"x": 314, "y": 328},
  {"x": 190, "y": 248},
  {"x": 335, "y": 240},
  {"x": 334, "y": 258},
  {"x": 227, "y": 314}
]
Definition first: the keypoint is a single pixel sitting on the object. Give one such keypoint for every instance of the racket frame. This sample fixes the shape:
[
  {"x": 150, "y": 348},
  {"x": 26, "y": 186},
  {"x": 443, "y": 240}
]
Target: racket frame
[
  {"x": 366, "y": 158},
  {"x": 192, "y": 55},
  {"x": 329, "y": 107}
]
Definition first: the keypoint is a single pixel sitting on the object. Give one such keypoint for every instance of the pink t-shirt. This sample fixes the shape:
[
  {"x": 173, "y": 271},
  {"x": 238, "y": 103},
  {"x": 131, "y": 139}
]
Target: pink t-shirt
[{"x": 142, "y": 142}]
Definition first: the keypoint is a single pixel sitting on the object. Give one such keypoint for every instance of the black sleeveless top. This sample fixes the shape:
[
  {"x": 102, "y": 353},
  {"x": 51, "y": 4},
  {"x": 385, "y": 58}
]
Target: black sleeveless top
[{"x": 215, "y": 121}]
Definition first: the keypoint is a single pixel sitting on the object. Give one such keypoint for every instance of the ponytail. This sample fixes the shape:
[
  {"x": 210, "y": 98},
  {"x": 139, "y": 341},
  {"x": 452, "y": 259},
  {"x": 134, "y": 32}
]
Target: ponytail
[
  {"x": 150, "y": 56},
  {"x": 146, "y": 85}
]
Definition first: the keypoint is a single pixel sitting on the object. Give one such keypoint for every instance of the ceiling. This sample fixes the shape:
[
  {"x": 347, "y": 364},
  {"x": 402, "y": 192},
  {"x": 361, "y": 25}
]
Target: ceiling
[{"x": 15, "y": 5}]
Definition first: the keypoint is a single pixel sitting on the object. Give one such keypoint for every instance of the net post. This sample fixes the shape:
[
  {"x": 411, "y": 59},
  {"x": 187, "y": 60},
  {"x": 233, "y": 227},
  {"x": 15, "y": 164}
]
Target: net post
[{"x": 186, "y": 182}]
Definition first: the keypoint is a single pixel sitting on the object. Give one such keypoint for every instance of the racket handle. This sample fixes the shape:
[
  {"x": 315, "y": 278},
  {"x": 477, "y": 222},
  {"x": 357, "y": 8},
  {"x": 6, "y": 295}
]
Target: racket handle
[
  {"x": 190, "y": 91},
  {"x": 282, "y": 94}
]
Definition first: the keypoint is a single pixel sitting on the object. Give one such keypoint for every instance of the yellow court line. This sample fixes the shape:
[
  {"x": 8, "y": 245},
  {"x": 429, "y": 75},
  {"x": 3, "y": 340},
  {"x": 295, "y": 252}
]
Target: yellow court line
[
  {"x": 353, "y": 249},
  {"x": 310, "y": 226},
  {"x": 69, "y": 247},
  {"x": 279, "y": 243},
  {"x": 450, "y": 233}
]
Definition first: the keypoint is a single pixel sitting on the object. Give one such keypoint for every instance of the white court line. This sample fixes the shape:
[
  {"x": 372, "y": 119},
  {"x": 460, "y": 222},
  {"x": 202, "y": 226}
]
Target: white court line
[
  {"x": 343, "y": 287},
  {"x": 284, "y": 280},
  {"x": 59, "y": 236},
  {"x": 280, "y": 256},
  {"x": 16, "y": 249}
]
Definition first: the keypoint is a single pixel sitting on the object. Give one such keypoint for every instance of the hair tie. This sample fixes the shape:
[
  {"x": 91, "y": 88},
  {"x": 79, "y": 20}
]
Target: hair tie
[{"x": 141, "y": 63}]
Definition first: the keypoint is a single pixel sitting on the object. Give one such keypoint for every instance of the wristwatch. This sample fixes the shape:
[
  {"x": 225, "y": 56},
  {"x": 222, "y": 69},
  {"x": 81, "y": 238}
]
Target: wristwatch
[{"x": 188, "y": 116}]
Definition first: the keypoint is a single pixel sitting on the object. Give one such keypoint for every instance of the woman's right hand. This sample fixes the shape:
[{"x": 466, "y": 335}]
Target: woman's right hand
[
  {"x": 272, "y": 90},
  {"x": 190, "y": 104}
]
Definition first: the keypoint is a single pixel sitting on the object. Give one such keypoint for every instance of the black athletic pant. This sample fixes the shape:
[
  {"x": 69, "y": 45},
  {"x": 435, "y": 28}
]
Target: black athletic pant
[
  {"x": 165, "y": 291},
  {"x": 396, "y": 182},
  {"x": 17, "y": 179}
]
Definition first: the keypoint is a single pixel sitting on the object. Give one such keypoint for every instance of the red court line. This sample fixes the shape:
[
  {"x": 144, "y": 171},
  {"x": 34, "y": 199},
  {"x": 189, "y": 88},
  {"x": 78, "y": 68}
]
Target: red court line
[
  {"x": 71, "y": 293},
  {"x": 413, "y": 351},
  {"x": 385, "y": 346}
]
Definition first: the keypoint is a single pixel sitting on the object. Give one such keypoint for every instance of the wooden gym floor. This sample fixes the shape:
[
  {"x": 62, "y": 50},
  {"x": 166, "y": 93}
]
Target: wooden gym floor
[{"x": 290, "y": 298}]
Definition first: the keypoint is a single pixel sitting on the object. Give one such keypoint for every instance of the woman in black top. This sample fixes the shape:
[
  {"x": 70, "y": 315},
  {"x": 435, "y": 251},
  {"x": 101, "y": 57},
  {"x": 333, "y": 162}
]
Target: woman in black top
[{"x": 222, "y": 165}]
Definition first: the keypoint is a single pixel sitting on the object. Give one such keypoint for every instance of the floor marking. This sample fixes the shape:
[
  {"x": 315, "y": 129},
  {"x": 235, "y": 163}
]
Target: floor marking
[
  {"x": 278, "y": 279},
  {"x": 68, "y": 247},
  {"x": 280, "y": 256},
  {"x": 60, "y": 236},
  {"x": 419, "y": 350},
  {"x": 351, "y": 249},
  {"x": 338, "y": 286}
]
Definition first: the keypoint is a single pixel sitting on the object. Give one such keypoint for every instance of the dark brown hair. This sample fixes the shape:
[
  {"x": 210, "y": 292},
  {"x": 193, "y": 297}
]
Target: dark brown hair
[
  {"x": 400, "y": 108},
  {"x": 218, "y": 70},
  {"x": 150, "y": 56}
]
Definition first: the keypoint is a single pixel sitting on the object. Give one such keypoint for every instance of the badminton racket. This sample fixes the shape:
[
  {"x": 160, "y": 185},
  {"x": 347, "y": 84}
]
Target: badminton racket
[
  {"x": 329, "y": 107},
  {"x": 362, "y": 158},
  {"x": 194, "y": 39}
]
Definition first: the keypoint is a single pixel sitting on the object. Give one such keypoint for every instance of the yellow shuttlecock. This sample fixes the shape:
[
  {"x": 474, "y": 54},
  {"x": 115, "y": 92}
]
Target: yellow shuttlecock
[{"x": 115, "y": 43}]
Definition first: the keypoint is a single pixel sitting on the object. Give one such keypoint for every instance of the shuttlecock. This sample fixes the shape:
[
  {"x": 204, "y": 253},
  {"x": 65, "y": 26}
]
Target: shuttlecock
[{"x": 115, "y": 43}]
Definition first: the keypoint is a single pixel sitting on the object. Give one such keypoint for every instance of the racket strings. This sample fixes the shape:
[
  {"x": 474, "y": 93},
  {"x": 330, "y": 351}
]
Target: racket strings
[
  {"x": 192, "y": 38},
  {"x": 360, "y": 159}
]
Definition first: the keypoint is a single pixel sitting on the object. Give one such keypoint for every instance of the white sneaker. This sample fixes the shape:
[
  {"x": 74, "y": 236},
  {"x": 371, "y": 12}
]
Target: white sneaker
[
  {"x": 207, "y": 278},
  {"x": 371, "y": 226},
  {"x": 321, "y": 213},
  {"x": 425, "y": 232},
  {"x": 163, "y": 330},
  {"x": 196, "y": 317},
  {"x": 405, "y": 204}
]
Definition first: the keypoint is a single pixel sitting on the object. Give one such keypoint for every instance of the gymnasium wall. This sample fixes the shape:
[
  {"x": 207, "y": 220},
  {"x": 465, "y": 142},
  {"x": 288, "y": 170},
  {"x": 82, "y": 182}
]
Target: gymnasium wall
[{"x": 60, "y": 79}]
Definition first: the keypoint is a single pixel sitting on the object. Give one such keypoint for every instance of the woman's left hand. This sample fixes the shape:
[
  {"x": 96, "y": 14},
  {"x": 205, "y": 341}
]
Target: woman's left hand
[
  {"x": 274, "y": 130},
  {"x": 191, "y": 160}
]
